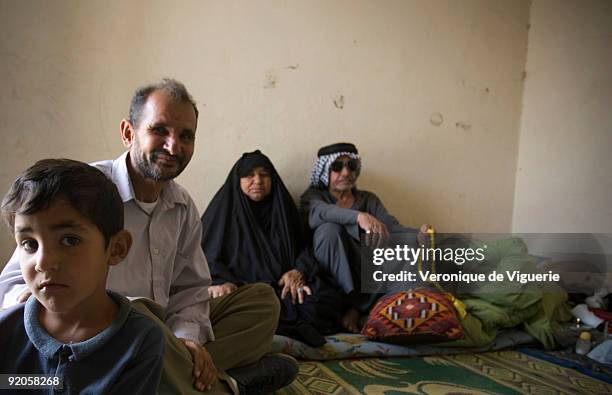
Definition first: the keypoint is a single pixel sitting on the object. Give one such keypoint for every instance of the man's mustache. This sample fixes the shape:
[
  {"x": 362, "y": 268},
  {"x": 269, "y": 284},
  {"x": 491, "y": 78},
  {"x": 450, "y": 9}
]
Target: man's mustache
[{"x": 178, "y": 158}]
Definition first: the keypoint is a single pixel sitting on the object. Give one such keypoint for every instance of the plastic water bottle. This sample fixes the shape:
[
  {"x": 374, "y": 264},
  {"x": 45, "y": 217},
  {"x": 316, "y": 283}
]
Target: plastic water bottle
[{"x": 583, "y": 345}]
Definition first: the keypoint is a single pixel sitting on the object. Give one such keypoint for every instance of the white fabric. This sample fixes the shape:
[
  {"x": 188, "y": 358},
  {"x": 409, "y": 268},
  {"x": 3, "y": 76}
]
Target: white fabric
[
  {"x": 11, "y": 282},
  {"x": 147, "y": 207},
  {"x": 602, "y": 353},
  {"x": 586, "y": 316}
]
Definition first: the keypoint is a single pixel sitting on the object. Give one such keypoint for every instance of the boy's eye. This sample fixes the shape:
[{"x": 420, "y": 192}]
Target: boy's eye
[
  {"x": 70, "y": 241},
  {"x": 29, "y": 245}
]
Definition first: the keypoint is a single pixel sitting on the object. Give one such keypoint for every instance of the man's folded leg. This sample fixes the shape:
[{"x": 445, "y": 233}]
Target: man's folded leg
[
  {"x": 244, "y": 322},
  {"x": 177, "y": 370}
]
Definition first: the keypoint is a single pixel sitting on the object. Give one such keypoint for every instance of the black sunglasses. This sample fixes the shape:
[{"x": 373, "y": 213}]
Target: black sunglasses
[{"x": 352, "y": 164}]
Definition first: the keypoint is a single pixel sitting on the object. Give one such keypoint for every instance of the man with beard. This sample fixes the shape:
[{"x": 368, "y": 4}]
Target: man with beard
[
  {"x": 338, "y": 212},
  {"x": 166, "y": 263}
]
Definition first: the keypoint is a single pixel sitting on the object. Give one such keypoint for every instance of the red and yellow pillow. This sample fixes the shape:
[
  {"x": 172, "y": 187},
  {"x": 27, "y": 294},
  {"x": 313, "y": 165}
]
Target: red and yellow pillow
[{"x": 413, "y": 316}]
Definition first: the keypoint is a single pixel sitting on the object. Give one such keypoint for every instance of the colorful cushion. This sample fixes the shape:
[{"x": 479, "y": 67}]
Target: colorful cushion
[{"x": 413, "y": 316}]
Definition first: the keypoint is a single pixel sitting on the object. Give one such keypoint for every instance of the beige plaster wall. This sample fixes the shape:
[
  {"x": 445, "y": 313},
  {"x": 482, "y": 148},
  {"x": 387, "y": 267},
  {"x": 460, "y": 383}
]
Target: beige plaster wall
[
  {"x": 430, "y": 91},
  {"x": 564, "y": 175}
]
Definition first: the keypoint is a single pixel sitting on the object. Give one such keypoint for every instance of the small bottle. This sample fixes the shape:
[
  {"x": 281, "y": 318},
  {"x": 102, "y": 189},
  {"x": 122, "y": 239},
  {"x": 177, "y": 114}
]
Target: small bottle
[{"x": 583, "y": 345}]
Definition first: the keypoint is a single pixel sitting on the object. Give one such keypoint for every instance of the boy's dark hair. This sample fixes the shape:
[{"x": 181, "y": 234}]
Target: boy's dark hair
[
  {"x": 174, "y": 88},
  {"x": 84, "y": 187}
]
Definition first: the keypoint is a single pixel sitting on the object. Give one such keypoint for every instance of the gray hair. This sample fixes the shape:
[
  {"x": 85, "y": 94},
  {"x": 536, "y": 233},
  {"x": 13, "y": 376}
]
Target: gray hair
[{"x": 174, "y": 88}]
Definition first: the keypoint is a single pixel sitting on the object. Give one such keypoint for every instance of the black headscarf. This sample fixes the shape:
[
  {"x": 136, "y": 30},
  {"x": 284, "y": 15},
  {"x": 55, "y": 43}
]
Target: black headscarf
[{"x": 246, "y": 241}]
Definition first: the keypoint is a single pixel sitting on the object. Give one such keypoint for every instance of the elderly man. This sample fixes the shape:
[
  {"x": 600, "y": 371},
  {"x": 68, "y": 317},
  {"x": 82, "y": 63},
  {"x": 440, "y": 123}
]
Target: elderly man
[
  {"x": 338, "y": 212},
  {"x": 166, "y": 263}
]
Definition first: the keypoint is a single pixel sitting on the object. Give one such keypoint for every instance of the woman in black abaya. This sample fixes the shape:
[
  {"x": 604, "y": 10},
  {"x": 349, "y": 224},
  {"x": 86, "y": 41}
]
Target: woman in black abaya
[{"x": 252, "y": 232}]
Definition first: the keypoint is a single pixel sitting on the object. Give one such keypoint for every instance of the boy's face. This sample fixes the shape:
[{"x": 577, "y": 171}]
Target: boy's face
[{"x": 62, "y": 257}]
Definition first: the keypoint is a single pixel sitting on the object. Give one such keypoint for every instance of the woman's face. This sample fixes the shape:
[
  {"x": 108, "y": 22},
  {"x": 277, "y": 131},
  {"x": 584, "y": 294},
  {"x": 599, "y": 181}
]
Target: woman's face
[{"x": 257, "y": 184}]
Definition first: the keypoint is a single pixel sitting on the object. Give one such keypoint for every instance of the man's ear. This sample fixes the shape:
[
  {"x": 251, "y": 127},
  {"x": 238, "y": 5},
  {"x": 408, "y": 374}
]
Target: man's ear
[
  {"x": 127, "y": 133},
  {"x": 119, "y": 247}
]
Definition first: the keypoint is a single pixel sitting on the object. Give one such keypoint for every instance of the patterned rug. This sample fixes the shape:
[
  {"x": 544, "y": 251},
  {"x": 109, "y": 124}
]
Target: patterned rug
[
  {"x": 502, "y": 372},
  {"x": 569, "y": 359}
]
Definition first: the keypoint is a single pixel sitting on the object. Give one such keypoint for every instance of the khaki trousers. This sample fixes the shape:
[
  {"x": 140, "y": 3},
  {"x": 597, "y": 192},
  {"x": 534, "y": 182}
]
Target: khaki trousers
[{"x": 243, "y": 322}]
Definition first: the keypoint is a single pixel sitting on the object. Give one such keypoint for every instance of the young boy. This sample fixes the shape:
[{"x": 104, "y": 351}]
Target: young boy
[{"x": 67, "y": 218}]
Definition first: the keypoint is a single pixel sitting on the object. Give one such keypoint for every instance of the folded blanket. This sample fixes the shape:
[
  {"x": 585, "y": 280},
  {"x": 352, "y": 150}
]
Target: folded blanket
[{"x": 536, "y": 306}]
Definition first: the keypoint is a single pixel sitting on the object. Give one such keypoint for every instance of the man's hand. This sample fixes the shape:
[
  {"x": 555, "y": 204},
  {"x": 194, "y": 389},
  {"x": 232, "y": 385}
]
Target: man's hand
[
  {"x": 376, "y": 231},
  {"x": 204, "y": 370},
  {"x": 293, "y": 283},
  {"x": 215, "y": 291},
  {"x": 24, "y": 296},
  {"x": 423, "y": 237}
]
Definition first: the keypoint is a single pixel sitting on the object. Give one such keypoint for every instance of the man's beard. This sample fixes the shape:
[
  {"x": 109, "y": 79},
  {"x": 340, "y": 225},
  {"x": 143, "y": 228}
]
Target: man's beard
[{"x": 148, "y": 168}]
